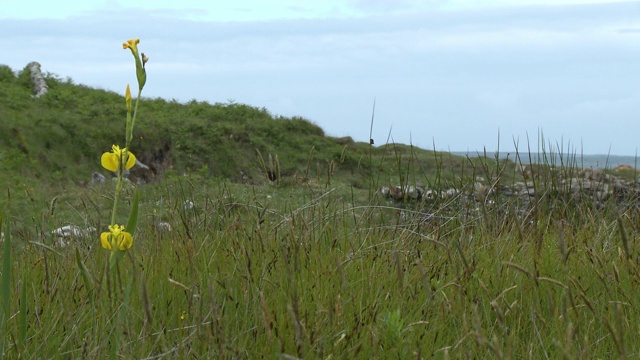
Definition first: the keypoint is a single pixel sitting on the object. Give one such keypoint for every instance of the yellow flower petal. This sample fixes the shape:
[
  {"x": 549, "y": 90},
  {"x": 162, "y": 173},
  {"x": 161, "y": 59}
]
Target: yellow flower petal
[
  {"x": 112, "y": 160},
  {"x": 116, "y": 229},
  {"x": 109, "y": 161},
  {"x": 116, "y": 237},
  {"x": 125, "y": 241},
  {"x": 131, "y": 160},
  {"x": 104, "y": 240},
  {"x": 130, "y": 43}
]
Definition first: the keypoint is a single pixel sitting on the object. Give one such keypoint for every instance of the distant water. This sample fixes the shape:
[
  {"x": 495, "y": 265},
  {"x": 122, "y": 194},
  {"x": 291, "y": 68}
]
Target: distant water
[{"x": 583, "y": 161}]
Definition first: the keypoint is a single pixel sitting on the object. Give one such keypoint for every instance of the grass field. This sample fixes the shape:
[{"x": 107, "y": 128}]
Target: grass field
[{"x": 312, "y": 264}]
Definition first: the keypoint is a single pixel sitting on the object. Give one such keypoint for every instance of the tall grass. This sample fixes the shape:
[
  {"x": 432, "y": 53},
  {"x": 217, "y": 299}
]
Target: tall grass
[
  {"x": 311, "y": 271},
  {"x": 304, "y": 265}
]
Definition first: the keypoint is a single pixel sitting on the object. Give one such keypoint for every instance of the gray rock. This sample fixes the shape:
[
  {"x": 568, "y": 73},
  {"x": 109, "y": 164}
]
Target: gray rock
[
  {"x": 65, "y": 234},
  {"x": 39, "y": 85},
  {"x": 96, "y": 179}
]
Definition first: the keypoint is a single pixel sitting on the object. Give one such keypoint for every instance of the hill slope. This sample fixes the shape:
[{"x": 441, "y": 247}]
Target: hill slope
[{"x": 61, "y": 136}]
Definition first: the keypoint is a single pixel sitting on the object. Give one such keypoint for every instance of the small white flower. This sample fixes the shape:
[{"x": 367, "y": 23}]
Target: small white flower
[{"x": 188, "y": 205}]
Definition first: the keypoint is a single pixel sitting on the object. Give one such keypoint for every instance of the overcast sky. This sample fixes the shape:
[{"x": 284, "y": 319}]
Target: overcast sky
[{"x": 455, "y": 74}]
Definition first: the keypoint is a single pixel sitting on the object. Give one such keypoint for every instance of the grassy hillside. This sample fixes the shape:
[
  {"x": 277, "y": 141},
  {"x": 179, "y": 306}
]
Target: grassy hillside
[{"x": 61, "y": 135}]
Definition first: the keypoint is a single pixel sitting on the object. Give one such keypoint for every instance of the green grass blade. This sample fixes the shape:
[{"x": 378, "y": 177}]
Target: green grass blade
[
  {"x": 5, "y": 291},
  {"x": 133, "y": 216},
  {"x": 86, "y": 277},
  {"x": 625, "y": 240},
  {"x": 22, "y": 318},
  {"x": 6, "y": 273}
]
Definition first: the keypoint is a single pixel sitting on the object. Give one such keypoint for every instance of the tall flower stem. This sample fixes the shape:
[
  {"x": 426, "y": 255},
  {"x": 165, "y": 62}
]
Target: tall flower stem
[
  {"x": 115, "y": 199},
  {"x": 131, "y": 120}
]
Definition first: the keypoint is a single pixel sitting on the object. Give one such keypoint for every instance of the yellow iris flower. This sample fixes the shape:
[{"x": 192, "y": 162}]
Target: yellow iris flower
[
  {"x": 132, "y": 44},
  {"x": 114, "y": 160},
  {"x": 141, "y": 74},
  {"x": 116, "y": 238}
]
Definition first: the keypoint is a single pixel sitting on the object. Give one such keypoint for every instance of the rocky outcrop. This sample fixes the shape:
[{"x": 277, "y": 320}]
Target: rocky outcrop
[
  {"x": 157, "y": 162},
  {"x": 585, "y": 185},
  {"x": 39, "y": 85},
  {"x": 345, "y": 140},
  {"x": 96, "y": 179},
  {"x": 66, "y": 234}
]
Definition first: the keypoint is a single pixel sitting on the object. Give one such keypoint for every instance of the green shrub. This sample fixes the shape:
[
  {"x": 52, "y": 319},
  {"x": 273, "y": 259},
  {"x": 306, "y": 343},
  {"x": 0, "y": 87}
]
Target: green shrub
[{"x": 6, "y": 74}]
